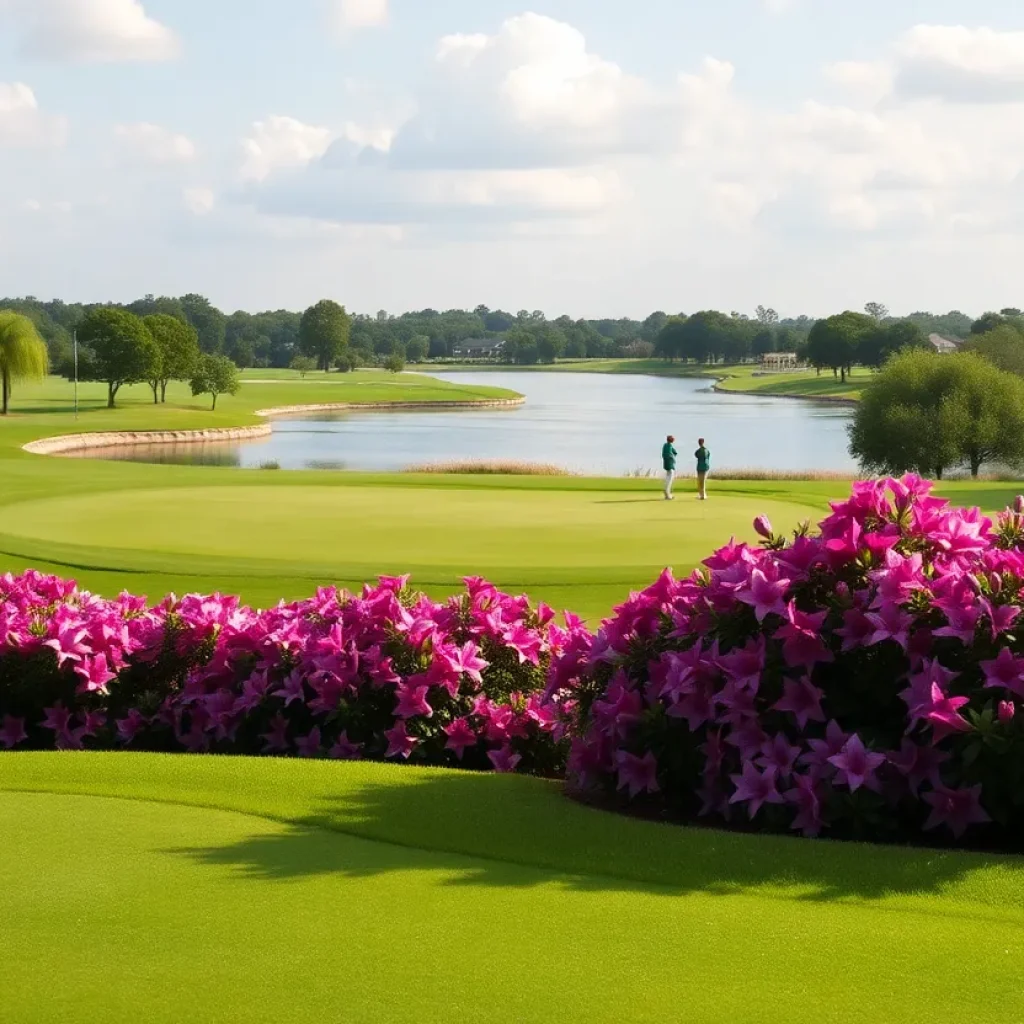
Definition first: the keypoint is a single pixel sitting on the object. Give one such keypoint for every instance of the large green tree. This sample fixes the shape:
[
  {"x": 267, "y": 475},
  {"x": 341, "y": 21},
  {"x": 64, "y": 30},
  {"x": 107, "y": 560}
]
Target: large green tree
[
  {"x": 23, "y": 353},
  {"x": 215, "y": 375},
  {"x": 178, "y": 346},
  {"x": 324, "y": 332},
  {"x": 931, "y": 413},
  {"x": 834, "y": 343},
  {"x": 119, "y": 349},
  {"x": 208, "y": 320},
  {"x": 876, "y": 346},
  {"x": 1003, "y": 347}
]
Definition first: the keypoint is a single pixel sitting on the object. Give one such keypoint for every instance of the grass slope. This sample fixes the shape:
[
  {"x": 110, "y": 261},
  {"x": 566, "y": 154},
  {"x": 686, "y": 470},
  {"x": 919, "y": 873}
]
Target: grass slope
[{"x": 216, "y": 889}]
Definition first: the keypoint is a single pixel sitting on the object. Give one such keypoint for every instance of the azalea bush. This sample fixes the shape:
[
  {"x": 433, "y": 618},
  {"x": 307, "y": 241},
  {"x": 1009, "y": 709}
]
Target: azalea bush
[
  {"x": 385, "y": 674},
  {"x": 863, "y": 680}
]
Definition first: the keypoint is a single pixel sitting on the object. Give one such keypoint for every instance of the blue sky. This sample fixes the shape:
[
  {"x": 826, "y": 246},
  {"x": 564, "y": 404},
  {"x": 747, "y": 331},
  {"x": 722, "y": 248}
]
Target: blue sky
[{"x": 583, "y": 156}]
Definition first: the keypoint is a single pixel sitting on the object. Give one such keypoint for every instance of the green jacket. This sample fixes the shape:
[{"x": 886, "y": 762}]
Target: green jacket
[
  {"x": 703, "y": 457},
  {"x": 668, "y": 457}
]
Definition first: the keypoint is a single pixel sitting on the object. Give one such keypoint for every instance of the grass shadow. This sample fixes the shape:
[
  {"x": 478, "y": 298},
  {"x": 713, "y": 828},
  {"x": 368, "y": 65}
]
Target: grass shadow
[{"x": 492, "y": 833}]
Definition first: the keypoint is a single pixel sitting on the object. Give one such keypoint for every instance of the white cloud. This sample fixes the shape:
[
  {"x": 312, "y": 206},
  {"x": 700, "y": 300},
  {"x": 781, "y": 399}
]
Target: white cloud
[
  {"x": 282, "y": 143},
  {"x": 780, "y": 6},
  {"x": 199, "y": 201},
  {"x": 352, "y": 15},
  {"x": 22, "y": 123},
  {"x": 101, "y": 31},
  {"x": 156, "y": 144}
]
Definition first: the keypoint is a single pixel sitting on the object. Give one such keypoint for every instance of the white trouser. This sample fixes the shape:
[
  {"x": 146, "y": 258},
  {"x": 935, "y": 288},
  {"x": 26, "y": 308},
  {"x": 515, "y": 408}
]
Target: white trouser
[{"x": 670, "y": 476}]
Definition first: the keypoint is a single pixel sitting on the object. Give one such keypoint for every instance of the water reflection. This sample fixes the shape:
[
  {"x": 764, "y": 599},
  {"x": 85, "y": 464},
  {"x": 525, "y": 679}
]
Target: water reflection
[{"x": 588, "y": 423}]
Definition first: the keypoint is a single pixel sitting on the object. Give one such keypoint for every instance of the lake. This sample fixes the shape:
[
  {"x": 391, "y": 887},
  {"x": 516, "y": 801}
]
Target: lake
[{"x": 584, "y": 422}]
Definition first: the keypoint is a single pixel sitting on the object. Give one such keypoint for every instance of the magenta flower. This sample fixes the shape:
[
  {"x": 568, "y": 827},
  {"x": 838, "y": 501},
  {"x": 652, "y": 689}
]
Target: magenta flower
[
  {"x": 856, "y": 766},
  {"x": 277, "y": 736},
  {"x": 890, "y": 622},
  {"x": 504, "y": 760},
  {"x": 1006, "y": 671},
  {"x": 780, "y": 754},
  {"x": 943, "y": 714},
  {"x": 764, "y": 595},
  {"x": 763, "y": 527},
  {"x": 412, "y": 702},
  {"x": 806, "y": 797},
  {"x": 460, "y": 737},
  {"x": 919, "y": 695},
  {"x": 637, "y": 774},
  {"x": 957, "y": 809},
  {"x": 802, "y": 699},
  {"x": 919, "y": 764},
  {"x": 345, "y": 750},
  {"x": 400, "y": 743},
  {"x": 309, "y": 746},
  {"x": 13, "y": 732},
  {"x": 291, "y": 689},
  {"x": 1007, "y": 711},
  {"x": 69, "y": 645},
  {"x": 465, "y": 660},
  {"x": 822, "y": 751},
  {"x": 755, "y": 788},
  {"x": 744, "y": 665},
  {"x": 801, "y": 635}
]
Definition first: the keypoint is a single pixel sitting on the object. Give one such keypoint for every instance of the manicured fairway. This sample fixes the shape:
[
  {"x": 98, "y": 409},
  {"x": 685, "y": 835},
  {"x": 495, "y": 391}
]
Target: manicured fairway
[{"x": 215, "y": 889}]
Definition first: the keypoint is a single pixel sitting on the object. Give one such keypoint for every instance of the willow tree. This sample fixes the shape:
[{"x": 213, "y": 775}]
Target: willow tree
[{"x": 22, "y": 353}]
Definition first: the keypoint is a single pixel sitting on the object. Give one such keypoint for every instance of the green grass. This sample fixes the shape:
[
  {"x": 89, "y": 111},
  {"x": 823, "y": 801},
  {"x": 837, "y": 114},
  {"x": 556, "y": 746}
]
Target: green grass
[{"x": 216, "y": 889}]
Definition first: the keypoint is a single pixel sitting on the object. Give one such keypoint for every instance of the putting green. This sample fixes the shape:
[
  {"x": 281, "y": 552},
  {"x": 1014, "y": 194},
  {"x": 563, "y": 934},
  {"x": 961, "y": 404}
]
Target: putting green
[
  {"x": 376, "y": 893},
  {"x": 518, "y": 537}
]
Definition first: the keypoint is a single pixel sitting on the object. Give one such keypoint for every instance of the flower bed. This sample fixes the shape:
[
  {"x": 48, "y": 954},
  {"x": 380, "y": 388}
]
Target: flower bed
[
  {"x": 386, "y": 674},
  {"x": 863, "y": 681}
]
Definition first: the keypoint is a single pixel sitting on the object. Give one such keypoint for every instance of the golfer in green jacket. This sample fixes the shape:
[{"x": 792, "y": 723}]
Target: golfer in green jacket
[
  {"x": 703, "y": 457},
  {"x": 668, "y": 459}
]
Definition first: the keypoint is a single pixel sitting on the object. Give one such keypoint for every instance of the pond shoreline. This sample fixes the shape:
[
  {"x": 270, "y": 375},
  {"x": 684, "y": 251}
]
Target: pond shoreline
[{"x": 128, "y": 438}]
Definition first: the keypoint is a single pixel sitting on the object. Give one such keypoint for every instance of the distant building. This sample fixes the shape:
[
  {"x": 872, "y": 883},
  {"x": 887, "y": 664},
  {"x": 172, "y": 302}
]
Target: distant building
[
  {"x": 479, "y": 348},
  {"x": 944, "y": 346},
  {"x": 777, "y": 362}
]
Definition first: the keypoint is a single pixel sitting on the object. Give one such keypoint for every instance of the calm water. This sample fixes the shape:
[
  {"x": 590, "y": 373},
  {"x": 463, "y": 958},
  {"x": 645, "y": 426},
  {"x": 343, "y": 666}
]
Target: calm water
[{"x": 584, "y": 422}]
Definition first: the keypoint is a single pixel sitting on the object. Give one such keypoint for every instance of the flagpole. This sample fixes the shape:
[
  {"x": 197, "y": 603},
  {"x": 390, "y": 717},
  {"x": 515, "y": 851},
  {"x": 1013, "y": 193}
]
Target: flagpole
[{"x": 75, "y": 336}]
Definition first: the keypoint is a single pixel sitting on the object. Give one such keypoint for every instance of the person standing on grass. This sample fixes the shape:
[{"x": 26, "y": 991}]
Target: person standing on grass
[
  {"x": 668, "y": 459},
  {"x": 703, "y": 457}
]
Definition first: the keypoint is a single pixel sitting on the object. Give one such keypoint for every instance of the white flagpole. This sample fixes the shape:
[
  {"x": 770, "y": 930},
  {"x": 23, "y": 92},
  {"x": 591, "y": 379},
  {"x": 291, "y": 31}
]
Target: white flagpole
[{"x": 75, "y": 336}]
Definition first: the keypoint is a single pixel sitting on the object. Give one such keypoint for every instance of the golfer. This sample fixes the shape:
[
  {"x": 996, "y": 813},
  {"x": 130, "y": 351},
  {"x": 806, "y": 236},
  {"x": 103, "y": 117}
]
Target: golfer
[
  {"x": 703, "y": 457},
  {"x": 668, "y": 459}
]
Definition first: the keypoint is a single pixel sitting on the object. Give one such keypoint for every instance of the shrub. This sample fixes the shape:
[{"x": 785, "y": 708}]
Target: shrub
[
  {"x": 865, "y": 680},
  {"x": 387, "y": 674}
]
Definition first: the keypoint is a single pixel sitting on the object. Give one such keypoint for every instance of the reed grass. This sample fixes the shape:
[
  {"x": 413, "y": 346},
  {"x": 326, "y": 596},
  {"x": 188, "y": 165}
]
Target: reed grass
[{"x": 492, "y": 467}]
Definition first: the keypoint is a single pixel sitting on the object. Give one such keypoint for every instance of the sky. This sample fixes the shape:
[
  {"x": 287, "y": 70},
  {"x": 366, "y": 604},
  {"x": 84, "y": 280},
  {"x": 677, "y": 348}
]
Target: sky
[{"x": 590, "y": 157}]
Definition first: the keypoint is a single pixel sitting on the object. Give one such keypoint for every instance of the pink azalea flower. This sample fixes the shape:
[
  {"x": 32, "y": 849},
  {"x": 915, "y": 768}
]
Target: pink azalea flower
[
  {"x": 807, "y": 798},
  {"x": 919, "y": 764},
  {"x": 277, "y": 736},
  {"x": 1006, "y": 672},
  {"x": 942, "y": 714},
  {"x": 504, "y": 760},
  {"x": 345, "y": 750},
  {"x": 69, "y": 645},
  {"x": 637, "y": 774},
  {"x": 801, "y": 635},
  {"x": 95, "y": 674},
  {"x": 766, "y": 596},
  {"x": 412, "y": 702},
  {"x": 291, "y": 689},
  {"x": 465, "y": 660},
  {"x": 890, "y": 622},
  {"x": 13, "y": 732},
  {"x": 763, "y": 527},
  {"x": 1007, "y": 711},
  {"x": 1001, "y": 617},
  {"x": 802, "y": 699},
  {"x": 819, "y": 759},
  {"x": 460, "y": 737},
  {"x": 957, "y": 809},
  {"x": 856, "y": 766},
  {"x": 755, "y": 788},
  {"x": 780, "y": 754},
  {"x": 919, "y": 695},
  {"x": 130, "y": 726},
  {"x": 309, "y": 746},
  {"x": 400, "y": 743},
  {"x": 744, "y": 665}
]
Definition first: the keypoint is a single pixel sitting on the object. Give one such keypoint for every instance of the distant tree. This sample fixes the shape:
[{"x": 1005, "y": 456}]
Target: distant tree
[
  {"x": 23, "y": 354},
  {"x": 394, "y": 364},
  {"x": 119, "y": 350},
  {"x": 950, "y": 325},
  {"x": 834, "y": 343},
  {"x": 150, "y": 306},
  {"x": 210, "y": 323},
  {"x": 324, "y": 332},
  {"x": 929, "y": 413},
  {"x": 177, "y": 345},
  {"x": 987, "y": 322},
  {"x": 653, "y": 326},
  {"x": 303, "y": 364},
  {"x": 216, "y": 375},
  {"x": 550, "y": 342},
  {"x": 886, "y": 339},
  {"x": 417, "y": 348},
  {"x": 766, "y": 317},
  {"x": 763, "y": 342},
  {"x": 669, "y": 343},
  {"x": 877, "y": 311},
  {"x": 638, "y": 350},
  {"x": 1003, "y": 347}
]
